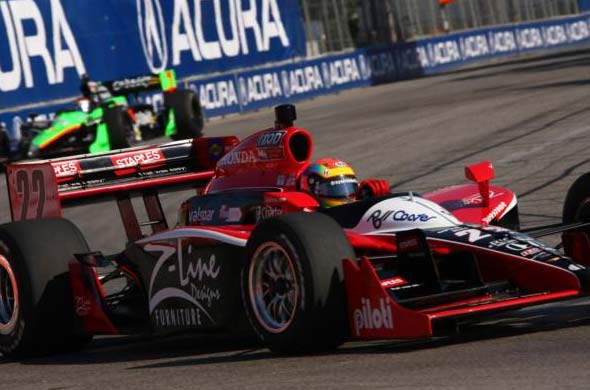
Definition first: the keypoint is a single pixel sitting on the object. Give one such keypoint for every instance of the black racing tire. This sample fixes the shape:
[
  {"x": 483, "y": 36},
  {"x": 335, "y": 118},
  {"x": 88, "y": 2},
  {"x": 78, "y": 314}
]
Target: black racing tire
[
  {"x": 309, "y": 249},
  {"x": 119, "y": 127},
  {"x": 576, "y": 208},
  {"x": 577, "y": 201},
  {"x": 188, "y": 113},
  {"x": 34, "y": 269}
]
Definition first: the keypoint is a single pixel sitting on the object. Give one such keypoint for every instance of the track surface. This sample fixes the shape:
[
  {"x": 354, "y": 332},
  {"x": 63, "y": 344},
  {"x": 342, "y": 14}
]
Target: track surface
[{"x": 530, "y": 117}]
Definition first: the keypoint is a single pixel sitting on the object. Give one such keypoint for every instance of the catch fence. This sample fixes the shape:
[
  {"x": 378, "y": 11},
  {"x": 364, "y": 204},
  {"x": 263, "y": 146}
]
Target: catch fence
[{"x": 335, "y": 25}]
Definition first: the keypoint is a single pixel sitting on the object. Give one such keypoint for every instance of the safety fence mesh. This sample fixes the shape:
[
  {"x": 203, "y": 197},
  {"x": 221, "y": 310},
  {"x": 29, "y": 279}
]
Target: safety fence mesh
[{"x": 335, "y": 25}]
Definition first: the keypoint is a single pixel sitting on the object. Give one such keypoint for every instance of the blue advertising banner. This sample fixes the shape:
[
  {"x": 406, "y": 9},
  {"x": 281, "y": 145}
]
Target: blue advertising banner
[
  {"x": 46, "y": 44},
  {"x": 244, "y": 90}
]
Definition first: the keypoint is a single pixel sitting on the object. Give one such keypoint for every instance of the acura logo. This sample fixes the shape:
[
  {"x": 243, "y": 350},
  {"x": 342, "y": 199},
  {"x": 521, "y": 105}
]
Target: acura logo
[{"x": 152, "y": 32}]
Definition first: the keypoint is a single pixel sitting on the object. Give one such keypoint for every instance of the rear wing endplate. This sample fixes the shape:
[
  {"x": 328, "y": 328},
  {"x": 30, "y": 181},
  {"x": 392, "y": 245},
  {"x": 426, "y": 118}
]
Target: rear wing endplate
[{"x": 32, "y": 191}]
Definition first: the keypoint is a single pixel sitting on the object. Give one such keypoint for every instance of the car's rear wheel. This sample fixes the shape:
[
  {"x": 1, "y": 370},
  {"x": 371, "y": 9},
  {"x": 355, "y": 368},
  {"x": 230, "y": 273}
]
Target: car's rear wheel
[
  {"x": 293, "y": 284},
  {"x": 119, "y": 127},
  {"x": 36, "y": 302},
  {"x": 188, "y": 113}
]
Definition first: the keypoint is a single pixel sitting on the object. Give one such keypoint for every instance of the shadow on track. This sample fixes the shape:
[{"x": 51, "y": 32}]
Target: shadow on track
[{"x": 181, "y": 351}]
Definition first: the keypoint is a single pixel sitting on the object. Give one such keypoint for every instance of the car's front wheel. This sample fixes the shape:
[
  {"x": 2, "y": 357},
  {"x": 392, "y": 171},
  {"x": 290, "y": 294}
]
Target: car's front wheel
[{"x": 293, "y": 284}]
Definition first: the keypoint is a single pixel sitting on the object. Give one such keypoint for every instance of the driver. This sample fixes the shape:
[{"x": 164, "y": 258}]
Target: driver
[
  {"x": 334, "y": 183},
  {"x": 94, "y": 91}
]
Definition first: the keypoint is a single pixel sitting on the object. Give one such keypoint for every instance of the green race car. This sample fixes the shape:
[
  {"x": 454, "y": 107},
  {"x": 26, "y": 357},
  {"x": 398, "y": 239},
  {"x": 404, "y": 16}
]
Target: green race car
[{"x": 110, "y": 115}]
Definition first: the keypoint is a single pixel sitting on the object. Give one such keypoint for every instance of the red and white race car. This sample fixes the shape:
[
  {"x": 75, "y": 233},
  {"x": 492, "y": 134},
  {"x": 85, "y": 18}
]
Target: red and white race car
[{"x": 251, "y": 248}]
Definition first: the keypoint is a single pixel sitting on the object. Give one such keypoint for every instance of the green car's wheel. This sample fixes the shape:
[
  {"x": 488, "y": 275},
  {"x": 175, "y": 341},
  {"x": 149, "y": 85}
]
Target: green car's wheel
[
  {"x": 187, "y": 113},
  {"x": 119, "y": 126}
]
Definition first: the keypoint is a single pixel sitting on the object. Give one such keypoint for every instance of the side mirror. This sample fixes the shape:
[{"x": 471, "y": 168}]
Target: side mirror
[{"x": 481, "y": 173}]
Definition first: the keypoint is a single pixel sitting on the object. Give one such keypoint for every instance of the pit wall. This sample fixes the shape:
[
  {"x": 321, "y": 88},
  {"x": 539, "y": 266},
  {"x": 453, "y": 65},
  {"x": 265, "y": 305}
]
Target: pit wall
[{"x": 247, "y": 90}]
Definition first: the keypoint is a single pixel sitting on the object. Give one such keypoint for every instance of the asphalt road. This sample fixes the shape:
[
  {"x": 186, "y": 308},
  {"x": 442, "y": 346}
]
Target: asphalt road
[{"x": 530, "y": 117}]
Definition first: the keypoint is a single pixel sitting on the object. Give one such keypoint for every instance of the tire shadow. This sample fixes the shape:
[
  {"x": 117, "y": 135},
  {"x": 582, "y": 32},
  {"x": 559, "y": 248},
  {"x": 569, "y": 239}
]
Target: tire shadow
[{"x": 191, "y": 350}]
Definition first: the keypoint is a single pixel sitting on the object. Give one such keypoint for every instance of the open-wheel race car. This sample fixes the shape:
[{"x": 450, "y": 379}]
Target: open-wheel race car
[
  {"x": 252, "y": 247},
  {"x": 110, "y": 115}
]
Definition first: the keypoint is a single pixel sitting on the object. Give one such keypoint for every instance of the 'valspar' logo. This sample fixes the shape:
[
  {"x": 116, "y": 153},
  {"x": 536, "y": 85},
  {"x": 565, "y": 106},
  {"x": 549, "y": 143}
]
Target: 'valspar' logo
[{"x": 368, "y": 317}]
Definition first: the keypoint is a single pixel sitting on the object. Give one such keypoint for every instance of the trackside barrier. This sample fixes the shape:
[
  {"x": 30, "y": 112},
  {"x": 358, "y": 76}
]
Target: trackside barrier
[{"x": 248, "y": 90}]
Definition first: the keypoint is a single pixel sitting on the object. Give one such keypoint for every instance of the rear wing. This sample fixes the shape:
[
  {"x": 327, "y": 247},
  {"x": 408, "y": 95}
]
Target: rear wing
[
  {"x": 41, "y": 189},
  {"x": 164, "y": 81}
]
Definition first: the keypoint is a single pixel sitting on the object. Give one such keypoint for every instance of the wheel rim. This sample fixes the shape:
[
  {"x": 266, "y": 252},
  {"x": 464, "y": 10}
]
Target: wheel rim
[
  {"x": 273, "y": 288},
  {"x": 8, "y": 296}
]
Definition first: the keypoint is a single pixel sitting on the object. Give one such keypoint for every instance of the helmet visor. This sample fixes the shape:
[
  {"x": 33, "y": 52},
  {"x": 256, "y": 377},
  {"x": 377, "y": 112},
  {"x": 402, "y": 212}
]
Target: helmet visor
[{"x": 338, "y": 187}]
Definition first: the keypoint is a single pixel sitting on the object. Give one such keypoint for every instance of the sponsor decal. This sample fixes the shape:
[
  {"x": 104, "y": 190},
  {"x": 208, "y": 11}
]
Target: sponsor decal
[
  {"x": 271, "y": 154},
  {"x": 187, "y": 316},
  {"x": 291, "y": 180},
  {"x": 373, "y": 318},
  {"x": 230, "y": 214},
  {"x": 473, "y": 235},
  {"x": 379, "y": 216},
  {"x": 530, "y": 252},
  {"x": 215, "y": 149},
  {"x": 267, "y": 211},
  {"x": 140, "y": 157},
  {"x": 393, "y": 282},
  {"x": 191, "y": 286},
  {"x": 82, "y": 306},
  {"x": 495, "y": 212},
  {"x": 343, "y": 181},
  {"x": 477, "y": 199},
  {"x": 66, "y": 168},
  {"x": 270, "y": 139},
  {"x": 132, "y": 83},
  {"x": 200, "y": 215},
  {"x": 238, "y": 157},
  {"x": 198, "y": 270},
  {"x": 500, "y": 242},
  {"x": 205, "y": 294}
]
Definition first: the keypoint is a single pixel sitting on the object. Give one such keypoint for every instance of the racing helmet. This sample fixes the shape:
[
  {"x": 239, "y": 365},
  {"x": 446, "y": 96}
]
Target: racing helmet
[{"x": 331, "y": 181}]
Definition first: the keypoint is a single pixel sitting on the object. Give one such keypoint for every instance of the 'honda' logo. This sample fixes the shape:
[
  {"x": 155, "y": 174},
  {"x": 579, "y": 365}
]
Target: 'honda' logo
[{"x": 152, "y": 32}]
